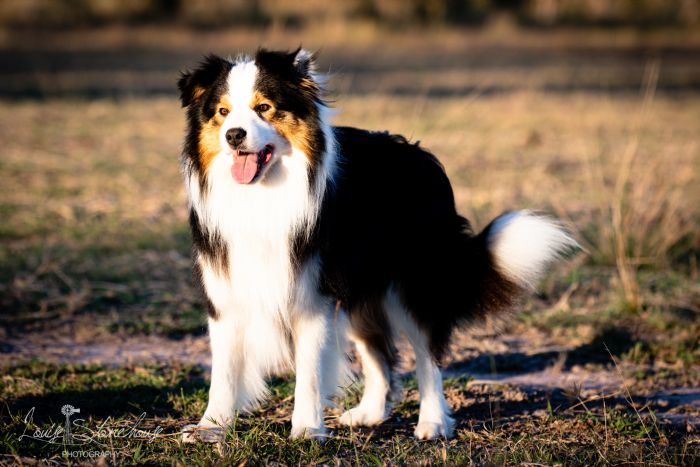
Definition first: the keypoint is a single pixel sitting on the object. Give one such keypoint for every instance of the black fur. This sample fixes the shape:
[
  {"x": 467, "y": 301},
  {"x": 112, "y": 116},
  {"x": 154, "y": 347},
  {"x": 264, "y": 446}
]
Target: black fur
[
  {"x": 286, "y": 81},
  {"x": 370, "y": 324},
  {"x": 387, "y": 220},
  {"x": 390, "y": 220},
  {"x": 200, "y": 90},
  {"x": 209, "y": 245},
  {"x": 199, "y": 283}
]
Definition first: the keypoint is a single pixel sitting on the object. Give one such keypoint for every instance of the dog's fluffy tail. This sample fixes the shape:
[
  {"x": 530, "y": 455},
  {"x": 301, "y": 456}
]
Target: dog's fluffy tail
[
  {"x": 508, "y": 258},
  {"x": 480, "y": 275},
  {"x": 522, "y": 245}
]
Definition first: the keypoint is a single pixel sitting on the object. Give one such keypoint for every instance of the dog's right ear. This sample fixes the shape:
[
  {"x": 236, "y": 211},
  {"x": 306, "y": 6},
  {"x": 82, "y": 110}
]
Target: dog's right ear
[{"x": 193, "y": 84}]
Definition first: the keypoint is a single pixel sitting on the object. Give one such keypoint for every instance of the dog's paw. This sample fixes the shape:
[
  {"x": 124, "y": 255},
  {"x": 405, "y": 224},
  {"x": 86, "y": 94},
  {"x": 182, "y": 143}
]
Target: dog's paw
[
  {"x": 203, "y": 434},
  {"x": 432, "y": 430},
  {"x": 361, "y": 416},
  {"x": 305, "y": 432}
]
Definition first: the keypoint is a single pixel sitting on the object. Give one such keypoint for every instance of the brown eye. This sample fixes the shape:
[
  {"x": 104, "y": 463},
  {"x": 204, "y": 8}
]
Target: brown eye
[
  {"x": 261, "y": 108},
  {"x": 223, "y": 111}
]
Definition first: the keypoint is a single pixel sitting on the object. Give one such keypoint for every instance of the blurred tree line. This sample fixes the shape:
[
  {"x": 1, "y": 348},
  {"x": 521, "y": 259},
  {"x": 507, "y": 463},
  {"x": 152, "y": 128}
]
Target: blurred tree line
[{"x": 390, "y": 13}]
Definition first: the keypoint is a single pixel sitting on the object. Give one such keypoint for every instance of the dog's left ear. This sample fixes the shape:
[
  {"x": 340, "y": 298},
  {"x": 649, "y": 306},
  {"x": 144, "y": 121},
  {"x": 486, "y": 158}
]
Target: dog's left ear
[
  {"x": 305, "y": 62},
  {"x": 298, "y": 64}
]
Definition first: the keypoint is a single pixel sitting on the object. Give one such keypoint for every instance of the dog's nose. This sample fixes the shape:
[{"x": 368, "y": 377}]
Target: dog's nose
[{"x": 235, "y": 136}]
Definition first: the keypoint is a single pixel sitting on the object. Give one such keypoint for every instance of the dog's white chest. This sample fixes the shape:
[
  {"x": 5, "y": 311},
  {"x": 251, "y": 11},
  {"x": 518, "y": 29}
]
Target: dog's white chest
[{"x": 256, "y": 223}]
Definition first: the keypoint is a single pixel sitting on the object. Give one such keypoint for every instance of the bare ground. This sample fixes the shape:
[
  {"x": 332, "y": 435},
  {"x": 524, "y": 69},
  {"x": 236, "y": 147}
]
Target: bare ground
[
  {"x": 519, "y": 373},
  {"x": 94, "y": 262}
]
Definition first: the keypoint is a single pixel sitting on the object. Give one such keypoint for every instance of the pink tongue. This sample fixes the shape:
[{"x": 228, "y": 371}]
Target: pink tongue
[{"x": 244, "y": 167}]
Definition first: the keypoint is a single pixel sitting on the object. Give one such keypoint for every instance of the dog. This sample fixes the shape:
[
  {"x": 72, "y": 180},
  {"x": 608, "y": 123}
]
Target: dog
[{"x": 307, "y": 237}]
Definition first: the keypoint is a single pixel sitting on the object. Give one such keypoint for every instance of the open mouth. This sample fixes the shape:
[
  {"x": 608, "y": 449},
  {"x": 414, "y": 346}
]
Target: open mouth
[{"x": 247, "y": 166}]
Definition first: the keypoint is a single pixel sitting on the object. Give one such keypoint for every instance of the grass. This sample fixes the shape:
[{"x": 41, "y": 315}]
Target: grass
[
  {"x": 98, "y": 208},
  {"x": 94, "y": 250},
  {"x": 540, "y": 428}
]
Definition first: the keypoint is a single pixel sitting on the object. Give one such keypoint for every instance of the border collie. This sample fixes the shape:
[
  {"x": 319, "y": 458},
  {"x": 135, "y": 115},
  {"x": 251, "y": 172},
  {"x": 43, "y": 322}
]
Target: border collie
[{"x": 306, "y": 235}]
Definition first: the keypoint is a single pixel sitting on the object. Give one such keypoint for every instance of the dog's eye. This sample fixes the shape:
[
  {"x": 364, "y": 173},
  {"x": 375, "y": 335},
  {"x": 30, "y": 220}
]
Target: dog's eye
[
  {"x": 260, "y": 108},
  {"x": 223, "y": 111}
]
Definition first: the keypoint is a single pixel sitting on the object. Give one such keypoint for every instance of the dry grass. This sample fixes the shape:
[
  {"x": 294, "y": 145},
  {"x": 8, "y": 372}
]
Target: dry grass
[
  {"x": 94, "y": 246},
  {"x": 502, "y": 425},
  {"x": 582, "y": 156},
  {"x": 87, "y": 177}
]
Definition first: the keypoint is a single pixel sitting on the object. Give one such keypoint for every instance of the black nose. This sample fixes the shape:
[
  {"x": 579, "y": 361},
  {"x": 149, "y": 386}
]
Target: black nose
[{"x": 235, "y": 136}]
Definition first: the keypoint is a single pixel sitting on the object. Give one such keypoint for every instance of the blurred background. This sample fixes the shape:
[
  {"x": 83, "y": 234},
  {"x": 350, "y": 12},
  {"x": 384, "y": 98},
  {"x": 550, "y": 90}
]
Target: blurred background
[
  {"x": 119, "y": 48},
  {"x": 585, "y": 109}
]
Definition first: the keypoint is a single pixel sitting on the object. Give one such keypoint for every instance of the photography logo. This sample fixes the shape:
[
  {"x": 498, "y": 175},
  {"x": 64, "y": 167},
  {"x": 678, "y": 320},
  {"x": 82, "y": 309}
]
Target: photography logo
[
  {"x": 88, "y": 439},
  {"x": 73, "y": 432},
  {"x": 68, "y": 410}
]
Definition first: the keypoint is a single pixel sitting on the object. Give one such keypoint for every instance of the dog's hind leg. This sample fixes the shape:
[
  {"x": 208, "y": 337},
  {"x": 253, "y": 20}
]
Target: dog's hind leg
[
  {"x": 434, "y": 417},
  {"x": 370, "y": 332}
]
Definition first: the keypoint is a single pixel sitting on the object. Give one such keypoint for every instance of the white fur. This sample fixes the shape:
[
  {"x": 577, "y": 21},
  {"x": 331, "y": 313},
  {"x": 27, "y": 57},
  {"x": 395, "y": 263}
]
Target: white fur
[
  {"x": 258, "y": 303},
  {"x": 524, "y": 244},
  {"x": 433, "y": 419},
  {"x": 373, "y": 407},
  {"x": 271, "y": 317},
  {"x": 226, "y": 364},
  {"x": 434, "y": 414},
  {"x": 259, "y": 133},
  {"x": 320, "y": 351}
]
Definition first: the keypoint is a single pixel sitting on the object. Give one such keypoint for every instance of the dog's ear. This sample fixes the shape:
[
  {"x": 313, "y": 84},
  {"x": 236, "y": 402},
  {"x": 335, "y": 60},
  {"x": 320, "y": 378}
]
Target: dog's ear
[
  {"x": 305, "y": 62},
  {"x": 193, "y": 84},
  {"x": 298, "y": 64}
]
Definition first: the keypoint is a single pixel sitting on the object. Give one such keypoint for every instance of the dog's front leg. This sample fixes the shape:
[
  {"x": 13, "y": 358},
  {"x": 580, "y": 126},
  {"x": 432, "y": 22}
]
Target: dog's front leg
[
  {"x": 311, "y": 333},
  {"x": 224, "y": 385},
  {"x": 224, "y": 373}
]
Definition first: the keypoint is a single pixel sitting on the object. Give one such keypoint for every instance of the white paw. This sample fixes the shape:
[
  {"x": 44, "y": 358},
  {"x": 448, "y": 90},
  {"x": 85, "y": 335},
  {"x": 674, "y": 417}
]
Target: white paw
[
  {"x": 432, "y": 430},
  {"x": 361, "y": 416},
  {"x": 203, "y": 433},
  {"x": 305, "y": 432}
]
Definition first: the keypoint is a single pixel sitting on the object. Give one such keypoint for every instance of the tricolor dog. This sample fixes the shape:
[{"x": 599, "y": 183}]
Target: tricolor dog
[{"x": 308, "y": 236}]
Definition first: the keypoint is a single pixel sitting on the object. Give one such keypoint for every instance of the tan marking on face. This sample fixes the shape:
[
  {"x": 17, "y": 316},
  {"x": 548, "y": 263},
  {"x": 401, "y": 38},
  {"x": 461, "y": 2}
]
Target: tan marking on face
[
  {"x": 209, "y": 145},
  {"x": 258, "y": 99},
  {"x": 293, "y": 129},
  {"x": 197, "y": 92}
]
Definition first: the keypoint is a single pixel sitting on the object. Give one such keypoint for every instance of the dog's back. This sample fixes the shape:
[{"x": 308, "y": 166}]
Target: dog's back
[{"x": 306, "y": 233}]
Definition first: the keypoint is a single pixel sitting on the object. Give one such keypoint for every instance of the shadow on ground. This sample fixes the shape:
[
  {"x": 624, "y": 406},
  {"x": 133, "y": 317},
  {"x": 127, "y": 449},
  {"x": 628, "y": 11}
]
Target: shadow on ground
[{"x": 610, "y": 342}]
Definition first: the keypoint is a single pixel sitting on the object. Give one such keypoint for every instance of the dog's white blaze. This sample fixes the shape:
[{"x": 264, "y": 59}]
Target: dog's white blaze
[
  {"x": 241, "y": 90},
  {"x": 241, "y": 83},
  {"x": 524, "y": 244},
  {"x": 256, "y": 297}
]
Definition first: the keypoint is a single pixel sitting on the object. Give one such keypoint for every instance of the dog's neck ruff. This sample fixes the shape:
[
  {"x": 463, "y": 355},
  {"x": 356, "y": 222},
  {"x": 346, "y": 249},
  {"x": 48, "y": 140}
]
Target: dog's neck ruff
[{"x": 258, "y": 224}]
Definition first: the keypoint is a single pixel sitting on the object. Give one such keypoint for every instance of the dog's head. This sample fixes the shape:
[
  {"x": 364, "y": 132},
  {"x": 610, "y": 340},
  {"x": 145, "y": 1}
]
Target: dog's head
[{"x": 253, "y": 110}]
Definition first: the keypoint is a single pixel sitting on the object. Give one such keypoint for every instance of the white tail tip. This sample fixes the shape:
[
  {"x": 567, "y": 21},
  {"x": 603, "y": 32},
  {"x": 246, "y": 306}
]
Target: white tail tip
[{"x": 524, "y": 244}]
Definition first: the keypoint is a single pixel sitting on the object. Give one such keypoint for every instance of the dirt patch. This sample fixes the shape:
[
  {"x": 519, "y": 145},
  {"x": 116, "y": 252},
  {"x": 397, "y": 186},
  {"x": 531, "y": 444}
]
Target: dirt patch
[
  {"x": 527, "y": 374},
  {"x": 108, "y": 350}
]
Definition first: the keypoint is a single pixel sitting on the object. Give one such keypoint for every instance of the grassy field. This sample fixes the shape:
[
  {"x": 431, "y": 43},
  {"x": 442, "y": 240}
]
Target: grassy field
[{"x": 602, "y": 365}]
